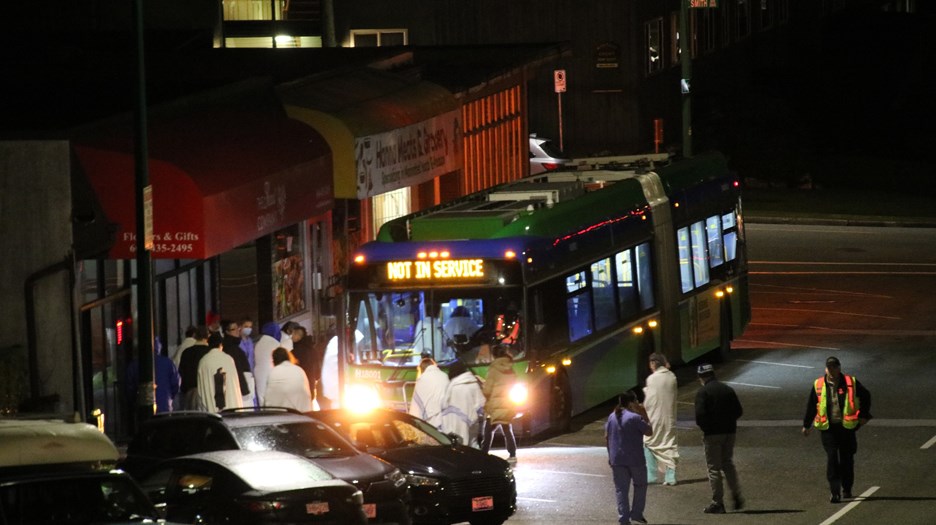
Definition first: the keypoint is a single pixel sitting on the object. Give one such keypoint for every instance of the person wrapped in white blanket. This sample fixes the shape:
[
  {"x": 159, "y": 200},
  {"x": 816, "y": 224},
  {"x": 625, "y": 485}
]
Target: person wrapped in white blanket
[
  {"x": 429, "y": 393},
  {"x": 463, "y": 406}
]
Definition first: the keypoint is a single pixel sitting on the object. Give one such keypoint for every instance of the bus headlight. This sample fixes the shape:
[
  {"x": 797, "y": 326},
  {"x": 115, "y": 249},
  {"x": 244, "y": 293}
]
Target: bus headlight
[
  {"x": 518, "y": 394},
  {"x": 361, "y": 398}
]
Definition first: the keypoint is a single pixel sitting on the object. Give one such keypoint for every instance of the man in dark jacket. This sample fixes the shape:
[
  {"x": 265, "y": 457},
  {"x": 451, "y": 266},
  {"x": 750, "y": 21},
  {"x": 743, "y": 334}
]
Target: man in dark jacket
[
  {"x": 846, "y": 407},
  {"x": 230, "y": 344},
  {"x": 717, "y": 410},
  {"x": 188, "y": 368}
]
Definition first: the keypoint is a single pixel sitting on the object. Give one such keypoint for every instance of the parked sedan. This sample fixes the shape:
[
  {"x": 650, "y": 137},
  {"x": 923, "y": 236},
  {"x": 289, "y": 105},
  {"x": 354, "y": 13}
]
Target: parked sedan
[
  {"x": 241, "y": 487},
  {"x": 176, "y": 434},
  {"x": 448, "y": 482}
]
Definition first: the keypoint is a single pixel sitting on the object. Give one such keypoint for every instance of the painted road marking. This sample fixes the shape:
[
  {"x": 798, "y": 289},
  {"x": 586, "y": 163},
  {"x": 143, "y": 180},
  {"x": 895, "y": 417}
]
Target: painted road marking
[
  {"x": 776, "y": 364},
  {"x": 751, "y": 341},
  {"x": 833, "y": 518},
  {"x": 749, "y": 384},
  {"x": 929, "y": 443},
  {"x": 525, "y": 471},
  {"x": 537, "y": 499}
]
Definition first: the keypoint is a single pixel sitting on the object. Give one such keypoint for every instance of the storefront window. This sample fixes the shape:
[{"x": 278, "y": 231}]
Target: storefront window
[{"x": 289, "y": 284}]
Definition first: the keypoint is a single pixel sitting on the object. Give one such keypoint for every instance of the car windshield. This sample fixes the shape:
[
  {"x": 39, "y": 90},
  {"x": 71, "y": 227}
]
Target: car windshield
[
  {"x": 390, "y": 433},
  {"x": 308, "y": 439},
  {"x": 396, "y": 328},
  {"x": 92, "y": 499}
]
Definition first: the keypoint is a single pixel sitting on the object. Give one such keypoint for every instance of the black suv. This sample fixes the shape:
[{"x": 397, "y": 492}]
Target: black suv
[{"x": 175, "y": 434}]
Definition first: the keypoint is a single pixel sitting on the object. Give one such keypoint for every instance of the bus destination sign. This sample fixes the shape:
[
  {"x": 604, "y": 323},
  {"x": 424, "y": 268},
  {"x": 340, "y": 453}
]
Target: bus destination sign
[{"x": 437, "y": 270}]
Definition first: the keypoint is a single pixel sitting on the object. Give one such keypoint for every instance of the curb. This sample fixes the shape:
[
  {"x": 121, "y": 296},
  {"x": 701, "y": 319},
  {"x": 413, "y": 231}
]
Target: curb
[{"x": 889, "y": 222}]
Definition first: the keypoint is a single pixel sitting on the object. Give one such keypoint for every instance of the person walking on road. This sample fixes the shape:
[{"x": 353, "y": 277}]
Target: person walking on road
[
  {"x": 625, "y": 431},
  {"x": 717, "y": 410},
  {"x": 838, "y": 406},
  {"x": 499, "y": 410},
  {"x": 660, "y": 401}
]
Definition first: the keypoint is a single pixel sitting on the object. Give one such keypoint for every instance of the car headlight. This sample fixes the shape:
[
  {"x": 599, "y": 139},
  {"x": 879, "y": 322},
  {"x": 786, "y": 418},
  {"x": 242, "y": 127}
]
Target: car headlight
[
  {"x": 396, "y": 477},
  {"x": 422, "y": 481},
  {"x": 361, "y": 398}
]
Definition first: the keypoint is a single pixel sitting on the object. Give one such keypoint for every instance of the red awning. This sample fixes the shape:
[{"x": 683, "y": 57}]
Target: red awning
[{"x": 222, "y": 176}]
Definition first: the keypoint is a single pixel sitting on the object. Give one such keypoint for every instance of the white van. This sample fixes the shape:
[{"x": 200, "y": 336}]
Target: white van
[{"x": 54, "y": 471}]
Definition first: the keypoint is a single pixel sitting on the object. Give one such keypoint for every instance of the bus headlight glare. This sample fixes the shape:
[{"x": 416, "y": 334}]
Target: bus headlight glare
[
  {"x": 360, "y": 398},
  {"x": 518, "y": 394}
]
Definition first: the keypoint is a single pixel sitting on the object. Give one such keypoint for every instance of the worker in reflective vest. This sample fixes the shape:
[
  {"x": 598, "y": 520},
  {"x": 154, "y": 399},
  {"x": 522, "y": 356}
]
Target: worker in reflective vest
[{"x": 838, "y": 406}]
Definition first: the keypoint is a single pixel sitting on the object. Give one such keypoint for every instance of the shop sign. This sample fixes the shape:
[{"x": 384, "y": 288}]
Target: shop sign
[{"x": 407, "y": 156}]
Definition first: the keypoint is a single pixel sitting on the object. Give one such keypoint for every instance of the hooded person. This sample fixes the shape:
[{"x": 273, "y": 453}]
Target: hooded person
[
  {"x": 218, "y": 383},
  {"x": 463, "y": 405},
  {"x": 429, "y": 392},
  {"x": 499, "y": 410},
  {"x": 263, "y": 357}
]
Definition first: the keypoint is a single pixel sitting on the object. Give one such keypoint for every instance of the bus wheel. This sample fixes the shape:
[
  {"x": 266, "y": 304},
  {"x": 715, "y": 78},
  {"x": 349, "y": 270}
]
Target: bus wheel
[{"x": 560, "y": 413}]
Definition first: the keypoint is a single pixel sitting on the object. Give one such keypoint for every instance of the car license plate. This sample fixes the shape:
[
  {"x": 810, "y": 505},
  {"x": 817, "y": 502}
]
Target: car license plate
[
  {"x": 317, "y": 508},
  {"x": 370, "y": 510},
  {"x": 482, "y": 503}
]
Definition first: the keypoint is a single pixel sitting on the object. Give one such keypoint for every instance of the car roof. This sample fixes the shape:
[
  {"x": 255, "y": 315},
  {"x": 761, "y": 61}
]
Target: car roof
[
  {"x": 228, "y": 458},
  {"x": 235, "y": 418},
  {"x": 28, "y": 442},
  {"x": 377, "y": 413}
]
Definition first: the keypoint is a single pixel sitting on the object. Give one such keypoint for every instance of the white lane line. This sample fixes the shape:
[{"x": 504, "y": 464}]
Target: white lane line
[
  {"x": 850, "y": 314},
  {"x": 537, "y": 499},
  {"x": 775, "y": 364},
  {"x": 833, "y": 518},
  {"x": 929, "y": 443},
  {"x": 563, "y": 472},
  {"x": 749, "y": 384},
  {"x": 842, "y": 263},
  {"x": 784, "y": 344},
  {"x": 840, "y": 273}
]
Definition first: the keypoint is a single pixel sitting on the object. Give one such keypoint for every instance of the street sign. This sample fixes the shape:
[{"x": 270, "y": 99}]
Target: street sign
[{"x": 559, "y": 79}]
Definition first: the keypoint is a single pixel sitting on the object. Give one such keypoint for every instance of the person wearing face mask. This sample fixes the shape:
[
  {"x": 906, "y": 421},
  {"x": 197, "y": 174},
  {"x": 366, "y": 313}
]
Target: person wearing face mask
[{"x": 247, "y": 345}]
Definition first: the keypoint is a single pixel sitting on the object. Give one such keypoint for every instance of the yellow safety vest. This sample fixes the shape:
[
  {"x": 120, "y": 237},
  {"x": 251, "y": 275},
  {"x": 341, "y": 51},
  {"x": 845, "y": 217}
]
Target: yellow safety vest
[{"x": 849, "y": 412}]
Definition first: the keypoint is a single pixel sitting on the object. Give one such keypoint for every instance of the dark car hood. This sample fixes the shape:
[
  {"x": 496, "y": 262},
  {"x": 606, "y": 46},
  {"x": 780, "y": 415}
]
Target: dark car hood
[
  {"x": 451, "y": 462},
  {"x": 360, "y": 467}
]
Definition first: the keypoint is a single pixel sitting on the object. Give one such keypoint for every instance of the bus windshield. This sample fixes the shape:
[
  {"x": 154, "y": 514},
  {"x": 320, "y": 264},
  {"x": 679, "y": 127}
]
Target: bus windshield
[{"x": 398, "y": 328}]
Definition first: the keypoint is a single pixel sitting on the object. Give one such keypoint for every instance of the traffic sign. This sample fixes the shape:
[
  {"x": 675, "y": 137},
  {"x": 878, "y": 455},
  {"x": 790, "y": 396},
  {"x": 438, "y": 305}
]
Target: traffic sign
[{"x": 559, "y": 79}]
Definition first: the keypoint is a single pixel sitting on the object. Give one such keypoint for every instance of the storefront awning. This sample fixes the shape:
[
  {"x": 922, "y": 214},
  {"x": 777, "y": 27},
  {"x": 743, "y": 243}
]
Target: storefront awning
[
  {"x": 225, "y": 168},
  {"x": 385, "y": 131}
]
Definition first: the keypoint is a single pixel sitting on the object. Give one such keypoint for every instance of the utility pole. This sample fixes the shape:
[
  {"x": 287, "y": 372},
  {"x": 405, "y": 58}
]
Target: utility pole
[
  {"x": 146, "y": 395},
  {"x": 685, "y": 84}
]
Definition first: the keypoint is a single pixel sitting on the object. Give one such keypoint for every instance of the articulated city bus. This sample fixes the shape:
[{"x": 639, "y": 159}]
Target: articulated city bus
[{"x": 579, "y": 274}]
